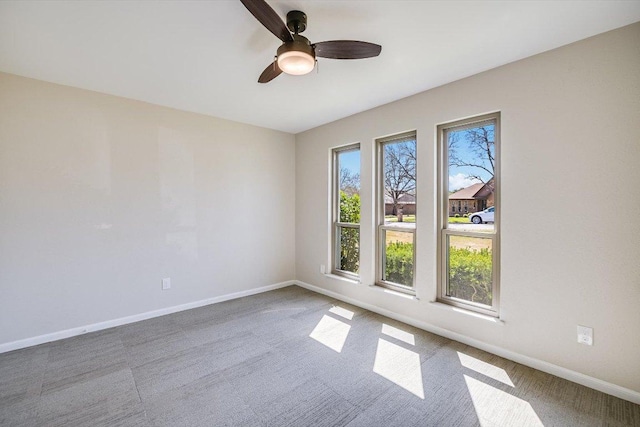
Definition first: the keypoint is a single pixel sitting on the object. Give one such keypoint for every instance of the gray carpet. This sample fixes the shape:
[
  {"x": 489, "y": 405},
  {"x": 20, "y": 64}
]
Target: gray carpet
[{"x": 285, "y": 358}]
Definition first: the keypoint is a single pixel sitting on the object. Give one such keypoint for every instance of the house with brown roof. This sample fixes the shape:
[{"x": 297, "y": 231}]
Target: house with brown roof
[
  {"x": 474, "y": 198},
  {"x": 406, "y": 202}
]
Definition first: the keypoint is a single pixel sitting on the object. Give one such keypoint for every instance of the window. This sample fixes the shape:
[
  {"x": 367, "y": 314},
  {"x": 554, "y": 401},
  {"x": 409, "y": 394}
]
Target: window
[
  {"x": 396, "y": 212},
  {"x": 346, "y": 211},
  {"x": 469, "y": 247}
]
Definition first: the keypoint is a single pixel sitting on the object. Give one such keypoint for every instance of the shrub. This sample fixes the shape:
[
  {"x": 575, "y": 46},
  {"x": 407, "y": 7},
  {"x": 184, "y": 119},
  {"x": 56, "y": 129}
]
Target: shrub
[
  {"x": 349, "y": 253},
  {"x": 470, "y": 274},
  {"x": 399, "y": 263},
  {"x": 349, "y": 207},
  {"x": 350, "y": 237}
]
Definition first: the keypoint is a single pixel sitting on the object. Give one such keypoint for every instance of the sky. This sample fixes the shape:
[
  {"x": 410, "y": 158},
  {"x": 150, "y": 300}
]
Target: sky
[
  {"x": 458, "y": 176},
  {"x": 350, "y": 160},
  {"x": 460, "y": 180}
]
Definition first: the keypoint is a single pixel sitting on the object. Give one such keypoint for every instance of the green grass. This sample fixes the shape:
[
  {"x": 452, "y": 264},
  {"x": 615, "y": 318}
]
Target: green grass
[
  {"x": 461, "y": 220},
  {"x": 405, "y": 218}
]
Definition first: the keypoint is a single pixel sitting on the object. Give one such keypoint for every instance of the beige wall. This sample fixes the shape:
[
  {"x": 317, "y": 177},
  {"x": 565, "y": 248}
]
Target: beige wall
[
  {"x": 102, "y": 197},
  {"x": 570, "y": 132}
]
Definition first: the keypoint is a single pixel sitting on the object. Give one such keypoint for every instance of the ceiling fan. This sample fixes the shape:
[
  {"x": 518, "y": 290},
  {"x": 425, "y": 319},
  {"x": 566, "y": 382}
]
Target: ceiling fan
[{"x": 297, "y": 55}]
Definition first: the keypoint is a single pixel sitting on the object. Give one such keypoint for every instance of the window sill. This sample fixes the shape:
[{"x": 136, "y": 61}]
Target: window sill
[
  {"x": 392, "y": 292},
  {"x": 451, "y": 308},
  {"x": 354, "y": 281}
]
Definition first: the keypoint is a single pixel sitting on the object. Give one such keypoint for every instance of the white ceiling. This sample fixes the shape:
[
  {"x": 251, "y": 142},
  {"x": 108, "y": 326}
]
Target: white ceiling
[{"x": 206, "y": 56}]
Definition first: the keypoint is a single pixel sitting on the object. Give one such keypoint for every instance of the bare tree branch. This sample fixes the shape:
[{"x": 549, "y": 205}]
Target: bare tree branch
[
  {"x": 399, "y": 170},
  {"x": 480, "y": 141},
  {"x": 349, "y": 182}
]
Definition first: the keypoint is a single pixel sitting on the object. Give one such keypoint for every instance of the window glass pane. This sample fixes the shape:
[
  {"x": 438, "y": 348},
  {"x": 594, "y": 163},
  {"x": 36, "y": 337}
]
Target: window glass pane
[
  {"x": 346, "y": 246},
  {"x": 349, "y": 186},
  {"x": 470, "y": 269},
  {"x": 399, "y": 181},
  {"x": 349, "y": 241},
  {"x": 397, "y": 257},
  {"x": 471, "y": 185}
]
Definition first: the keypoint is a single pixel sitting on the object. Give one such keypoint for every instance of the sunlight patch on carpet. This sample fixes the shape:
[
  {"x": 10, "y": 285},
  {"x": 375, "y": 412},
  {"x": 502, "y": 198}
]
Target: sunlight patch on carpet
[
  {"x": 331, "y": 332},
  {"x": 398, "y": 334},
  {"x": 485, "y": 368},
  {"x": 400, "y": 366},
  {"x": 342, "y": 312},
  {"x": 495, "y": 407}
]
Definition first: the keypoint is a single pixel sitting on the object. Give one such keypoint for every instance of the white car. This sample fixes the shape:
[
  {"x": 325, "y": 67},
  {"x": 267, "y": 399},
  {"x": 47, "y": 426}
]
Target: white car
[{"x": 486, "y": 215}]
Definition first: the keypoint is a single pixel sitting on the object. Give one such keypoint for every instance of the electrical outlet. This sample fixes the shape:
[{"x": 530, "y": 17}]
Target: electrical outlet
[
  {"x": 166, "y": 283},
  {"x": 322, "y": 269},
  {"x": 585, "y": 335}
]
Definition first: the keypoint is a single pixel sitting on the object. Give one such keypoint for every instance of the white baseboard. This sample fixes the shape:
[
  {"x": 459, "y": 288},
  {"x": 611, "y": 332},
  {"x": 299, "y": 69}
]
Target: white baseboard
[
  {"x": 54, "y": 336},
  {"x": 567, "y": 374}
]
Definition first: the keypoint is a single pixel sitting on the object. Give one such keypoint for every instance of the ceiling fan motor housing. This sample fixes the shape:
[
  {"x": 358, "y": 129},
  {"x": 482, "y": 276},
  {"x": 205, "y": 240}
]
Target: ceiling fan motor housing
[
  {"x": 296, "y": 21},
  {"x": 299, "y": 44}
]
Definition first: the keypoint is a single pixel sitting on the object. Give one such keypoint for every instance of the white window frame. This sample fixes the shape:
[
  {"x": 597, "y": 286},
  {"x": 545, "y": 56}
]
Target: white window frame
[
  {"x": 380, "y": 214},
  {"x": 443, "y": 217},
  {"x": 335, "y": 220}
]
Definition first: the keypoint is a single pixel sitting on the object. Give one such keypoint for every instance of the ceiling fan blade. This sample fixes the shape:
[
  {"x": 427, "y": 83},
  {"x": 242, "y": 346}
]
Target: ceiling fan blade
[
  {"x": 346, "y": 49},
  {"x": 269, "y": 18},
  {"x": 271, "y": 72}
]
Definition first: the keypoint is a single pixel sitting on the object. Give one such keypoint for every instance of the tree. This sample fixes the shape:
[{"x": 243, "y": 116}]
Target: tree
[
  {"x": 349, "y": 181},
  {"x": 480, "y": 144},
  {"x": 399, "y": 171}
]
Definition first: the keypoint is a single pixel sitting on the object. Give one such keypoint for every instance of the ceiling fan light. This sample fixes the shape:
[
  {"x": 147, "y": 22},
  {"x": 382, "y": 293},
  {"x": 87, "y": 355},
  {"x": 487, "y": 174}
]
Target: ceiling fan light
[
  {"x": 296, "y": 63},
  {"x": 296, "y": 57}
]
